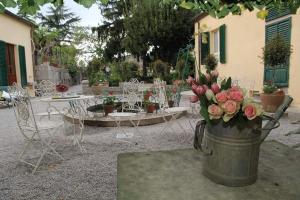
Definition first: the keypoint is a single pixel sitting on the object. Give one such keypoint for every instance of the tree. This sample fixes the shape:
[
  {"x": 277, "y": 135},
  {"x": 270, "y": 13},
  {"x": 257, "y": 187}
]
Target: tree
[
  {"x": 112, "y": 30},
  {"x": 61, "y": 20},
  {"x": 219, "y": 8},
  {"x": 158, "y": 29}
]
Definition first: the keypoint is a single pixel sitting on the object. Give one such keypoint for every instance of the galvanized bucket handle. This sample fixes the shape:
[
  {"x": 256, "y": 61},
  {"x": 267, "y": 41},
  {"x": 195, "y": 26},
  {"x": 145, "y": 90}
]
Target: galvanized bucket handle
[
  {"x": 199, "y": 132},
  {"x": 271, "y": 119}
]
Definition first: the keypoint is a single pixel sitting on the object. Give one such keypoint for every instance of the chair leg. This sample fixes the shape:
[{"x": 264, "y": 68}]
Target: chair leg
[{"x": 39, "y": 162}]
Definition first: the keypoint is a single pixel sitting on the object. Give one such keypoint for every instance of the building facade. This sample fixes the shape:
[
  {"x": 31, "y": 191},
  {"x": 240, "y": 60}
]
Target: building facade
[
  {"x": 15, "y": 50},
  {"x": 237, "y": 42}
]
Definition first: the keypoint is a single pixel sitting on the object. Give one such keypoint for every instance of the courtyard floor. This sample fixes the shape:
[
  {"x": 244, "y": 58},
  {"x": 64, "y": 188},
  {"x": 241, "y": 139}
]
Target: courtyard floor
[{"x": 92, "y": 175}]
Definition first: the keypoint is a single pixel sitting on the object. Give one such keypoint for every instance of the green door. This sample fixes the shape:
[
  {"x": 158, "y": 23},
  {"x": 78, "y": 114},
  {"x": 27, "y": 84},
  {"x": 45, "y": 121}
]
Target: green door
[
  {"x": 281, "y": 72},
  {"x": 22, "y": 59},
  {"x": 3, "y": 68}
]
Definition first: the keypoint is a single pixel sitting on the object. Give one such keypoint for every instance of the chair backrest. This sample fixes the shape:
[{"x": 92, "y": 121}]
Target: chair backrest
[
  {"x": 22, "y": 109},
  {"x": 46, "y": 88},
  {"x": 133, "y": 95},
  {"x": 160, "y": 93}
]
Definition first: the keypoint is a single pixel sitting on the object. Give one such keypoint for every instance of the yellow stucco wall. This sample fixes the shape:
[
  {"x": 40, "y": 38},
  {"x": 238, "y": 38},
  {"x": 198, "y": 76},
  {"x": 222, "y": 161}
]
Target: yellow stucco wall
[
  {"x": 17, "y": 33},
  {"x": 294, "y": 73},
  {"x": 245, "y": 38}
]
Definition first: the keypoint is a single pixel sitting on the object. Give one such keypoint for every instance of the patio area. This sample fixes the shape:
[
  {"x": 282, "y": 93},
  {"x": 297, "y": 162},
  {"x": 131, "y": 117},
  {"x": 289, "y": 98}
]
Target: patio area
[{"x": 90, "y": 175}]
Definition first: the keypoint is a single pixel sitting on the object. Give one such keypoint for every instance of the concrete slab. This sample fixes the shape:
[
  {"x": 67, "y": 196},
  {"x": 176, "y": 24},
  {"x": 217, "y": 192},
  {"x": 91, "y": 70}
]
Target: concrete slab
[{"x": 176, "y": 175}]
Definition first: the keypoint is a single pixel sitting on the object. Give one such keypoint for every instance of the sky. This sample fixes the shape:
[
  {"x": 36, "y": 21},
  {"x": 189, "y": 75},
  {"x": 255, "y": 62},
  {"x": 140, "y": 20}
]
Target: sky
[{"x": 89, "y": 16}]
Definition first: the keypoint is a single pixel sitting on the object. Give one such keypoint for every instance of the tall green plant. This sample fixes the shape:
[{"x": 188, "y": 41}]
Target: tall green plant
[{"x": 275, "y": 53}]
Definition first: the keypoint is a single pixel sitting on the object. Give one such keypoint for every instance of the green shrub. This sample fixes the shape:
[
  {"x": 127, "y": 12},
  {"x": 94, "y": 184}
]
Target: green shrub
[
  {"x": 161, "y": 70},
  {"x": 276, "y": 52},
  {"x": 128, "y": 70}
]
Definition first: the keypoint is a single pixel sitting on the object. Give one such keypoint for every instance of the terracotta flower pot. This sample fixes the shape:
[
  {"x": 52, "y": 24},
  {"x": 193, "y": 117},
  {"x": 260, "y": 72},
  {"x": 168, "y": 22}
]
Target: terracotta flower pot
[
  {"x": 150, "y": 108},
  {"x": 108, "y": 109},
  {"x": 271, "y": 102},
  {"x": 96, "y": 89}
]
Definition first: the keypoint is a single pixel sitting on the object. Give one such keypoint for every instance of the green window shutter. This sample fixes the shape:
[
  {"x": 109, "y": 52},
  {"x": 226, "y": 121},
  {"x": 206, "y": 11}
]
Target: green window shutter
[
  {"x": 3, "y": 67},
  {"x": 204, "y": 47},
  {"x": 222, "y": 31},
  {"x": 274, "y": 13},
  {"x": 22, "y": 59},
  {"x": 281, "y": 73}
]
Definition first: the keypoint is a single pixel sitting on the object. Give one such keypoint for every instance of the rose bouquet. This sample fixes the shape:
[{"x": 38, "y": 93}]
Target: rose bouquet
[{"x": 222, "y": 101}]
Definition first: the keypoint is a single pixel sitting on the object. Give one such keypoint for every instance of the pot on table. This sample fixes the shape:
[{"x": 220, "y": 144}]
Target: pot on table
[
  {"x": 150, "y": 108},
  {"x": 109, "y": 108},
  {"x": 271, "y": 102}
]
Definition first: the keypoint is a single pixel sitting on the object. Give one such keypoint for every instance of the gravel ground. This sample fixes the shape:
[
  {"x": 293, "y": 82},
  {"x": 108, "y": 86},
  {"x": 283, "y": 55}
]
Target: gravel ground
[{"x": 91, "y": 175}]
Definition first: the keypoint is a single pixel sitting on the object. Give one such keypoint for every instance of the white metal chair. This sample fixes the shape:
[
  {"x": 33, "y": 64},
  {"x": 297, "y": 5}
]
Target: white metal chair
[
  {"x": 46, "y": 88},
  {"x": 37, "y": 134},
  {"x": 77, "y": 113},
  {"x": 131, "y": 107},
  {"x": 173, "y": 113}
]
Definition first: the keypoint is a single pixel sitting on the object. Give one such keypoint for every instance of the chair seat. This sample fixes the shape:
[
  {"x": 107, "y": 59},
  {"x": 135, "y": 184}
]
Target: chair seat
[
  {"x": 176, "y": 109},
  {"x": 46, "y": 125},
  {"x": 46, "y": 113}
]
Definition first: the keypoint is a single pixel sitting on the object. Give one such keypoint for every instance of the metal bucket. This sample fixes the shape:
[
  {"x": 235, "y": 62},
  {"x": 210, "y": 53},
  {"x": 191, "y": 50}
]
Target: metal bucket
[
  {"x": 231, "y": 150},
  {"x": 232, "y": 153}
]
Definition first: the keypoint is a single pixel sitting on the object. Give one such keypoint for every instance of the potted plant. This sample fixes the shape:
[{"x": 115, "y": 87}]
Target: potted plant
[
  {"x": 108, "y": 104},
  {"x": 276, "y": 53},
  {"x": 147, "y": 94},
  {"x": 233, "y": 127},
  {"x": 150, "y": 106},
  {"x": 95, "y": 82}
]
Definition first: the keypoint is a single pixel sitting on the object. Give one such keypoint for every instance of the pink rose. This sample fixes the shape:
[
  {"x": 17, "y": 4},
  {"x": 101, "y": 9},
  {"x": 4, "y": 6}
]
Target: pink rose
[
  {"x": 230, "y": 107},
  {"x": 250, "y": 111},
  {"x": 214, "y": 73},
  {"x": 215, "y": 88},
  {"x": 200, "y": 90},
  {"x": 221, "y": 97},
  {"x": 194, "y": 99},
  {"x": 235, "y": 94},
  {"x": 215, "y": 111}
]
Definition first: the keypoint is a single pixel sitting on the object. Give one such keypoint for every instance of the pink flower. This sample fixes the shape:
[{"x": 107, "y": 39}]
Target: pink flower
[
  {"x": 214, "y": 73},
  {"x": 190, "y": 80},
  {"x": 205, "y": 87},
  {"x": 235, "y": 94},
  {"x": 230, "y": 107},
  {"x": 215, "y": 111},
  {"x": 208, "y": 78},
  {"x": 252, "y": 110},
  {"x": 215, "y": 88},
  {"x": 194, "y": 88},
  {"x": 209, "y": 94},
  {"x": 221, "y": 97},
  {"x": 200, "y": 90},
  {"x": 194, "y": 99}
]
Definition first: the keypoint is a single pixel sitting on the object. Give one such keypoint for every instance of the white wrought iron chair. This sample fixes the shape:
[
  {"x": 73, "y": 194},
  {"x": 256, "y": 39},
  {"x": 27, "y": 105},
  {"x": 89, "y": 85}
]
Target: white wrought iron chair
[
  {"x": 77, "y": 112},
  {"x": 131, "y": 107},
  {"x": 46, "y": 88},
  {"x": 37, "y": 134},
  {"x": 172, "y": 113}
]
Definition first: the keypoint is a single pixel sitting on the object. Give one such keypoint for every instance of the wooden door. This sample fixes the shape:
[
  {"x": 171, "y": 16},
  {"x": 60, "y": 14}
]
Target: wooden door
[{"x": 11, "y": 64}]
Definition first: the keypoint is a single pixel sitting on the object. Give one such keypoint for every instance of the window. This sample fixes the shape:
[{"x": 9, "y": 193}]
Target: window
[{"x": 216, "y": 43}]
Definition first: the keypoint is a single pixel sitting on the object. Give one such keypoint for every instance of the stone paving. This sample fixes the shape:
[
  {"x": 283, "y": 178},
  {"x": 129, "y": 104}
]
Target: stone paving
[{"x": 91, "y": 175}]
